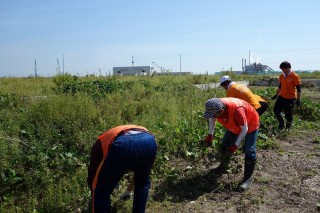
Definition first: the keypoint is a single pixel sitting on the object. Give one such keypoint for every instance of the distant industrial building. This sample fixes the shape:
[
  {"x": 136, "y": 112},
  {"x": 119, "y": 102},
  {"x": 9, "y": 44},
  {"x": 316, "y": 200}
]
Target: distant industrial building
[
  {"x": 257, "y": 68},
  {"x": 133, "y": 70}
]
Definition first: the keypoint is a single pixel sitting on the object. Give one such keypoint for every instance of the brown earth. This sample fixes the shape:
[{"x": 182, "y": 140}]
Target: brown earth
[{"x": 287, "y": 179}]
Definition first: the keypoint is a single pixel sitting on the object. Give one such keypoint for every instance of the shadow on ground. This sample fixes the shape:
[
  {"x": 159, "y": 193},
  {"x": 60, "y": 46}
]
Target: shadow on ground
[{"x": 191, "y": 188}]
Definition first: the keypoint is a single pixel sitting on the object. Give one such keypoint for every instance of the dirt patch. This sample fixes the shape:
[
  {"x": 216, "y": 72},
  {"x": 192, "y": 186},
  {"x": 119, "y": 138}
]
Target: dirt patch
[{"x": 286, "y": 180}]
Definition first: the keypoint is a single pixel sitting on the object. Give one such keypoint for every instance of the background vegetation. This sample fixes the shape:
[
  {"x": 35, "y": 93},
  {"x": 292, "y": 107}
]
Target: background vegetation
[{"x": 48, "y": 125}]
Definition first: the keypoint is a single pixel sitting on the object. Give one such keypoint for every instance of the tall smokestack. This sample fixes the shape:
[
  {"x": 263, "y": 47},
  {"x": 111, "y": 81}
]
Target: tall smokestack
[{"x": 242, "y": 65}]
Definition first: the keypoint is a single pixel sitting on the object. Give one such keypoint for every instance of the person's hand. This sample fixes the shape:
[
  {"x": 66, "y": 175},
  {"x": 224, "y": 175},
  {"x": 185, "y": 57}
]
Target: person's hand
[
  {"x": 297, "y": 102},
  {"x": 274, "y": 97},
  {"x": 207, "y": 141},
  {"x": 233, "y": 148}
]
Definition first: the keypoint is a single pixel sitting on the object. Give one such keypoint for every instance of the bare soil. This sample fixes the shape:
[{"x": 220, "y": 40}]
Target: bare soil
[{"x": 285, "y": 180}]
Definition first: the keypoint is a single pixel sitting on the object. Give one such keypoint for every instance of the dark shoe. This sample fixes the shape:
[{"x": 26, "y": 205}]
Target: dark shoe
[
  {"x": 288, "y": 125},
  {"x": 281, "y": 122}
]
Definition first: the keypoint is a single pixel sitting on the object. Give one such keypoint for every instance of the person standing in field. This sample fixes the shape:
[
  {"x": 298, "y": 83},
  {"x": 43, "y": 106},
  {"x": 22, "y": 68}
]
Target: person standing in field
[
  {"x": 241, "y": 120},
  {"x": 287, "y": 95},
  {"x": 241, "y": 91},
  {"x": 117, "y": 151}
]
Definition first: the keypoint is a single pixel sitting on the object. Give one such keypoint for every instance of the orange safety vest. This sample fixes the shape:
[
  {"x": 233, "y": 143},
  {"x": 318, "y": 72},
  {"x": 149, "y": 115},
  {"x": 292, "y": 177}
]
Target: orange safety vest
[
  {"x": 244, "y": 93},
  {"x": 252, "y": 116},
  {"x": 288, "y": 85},
  {"x": 106, "y": 140},
  {"x": 259, "y": 98}
]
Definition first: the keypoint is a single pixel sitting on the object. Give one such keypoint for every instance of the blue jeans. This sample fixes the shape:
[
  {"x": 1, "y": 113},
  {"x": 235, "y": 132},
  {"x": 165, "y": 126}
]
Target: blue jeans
[
  {"x": 250, "y": 142},
  {"x": 135, "y": 153}
]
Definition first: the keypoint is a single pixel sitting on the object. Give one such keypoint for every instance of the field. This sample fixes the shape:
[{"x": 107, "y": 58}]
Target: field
[{"x": 48, "y": 125}]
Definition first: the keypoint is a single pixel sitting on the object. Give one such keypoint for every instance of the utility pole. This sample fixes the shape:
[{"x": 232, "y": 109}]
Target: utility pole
[
  {"x": 180, "y": 63},
  {"x": 132, "y": 61},
  {"x": 63, "y": 64},
  {"x": 58, "y": 68},
  {"x": 35, "y": 68},
  {"x": 249, "y": 57}
]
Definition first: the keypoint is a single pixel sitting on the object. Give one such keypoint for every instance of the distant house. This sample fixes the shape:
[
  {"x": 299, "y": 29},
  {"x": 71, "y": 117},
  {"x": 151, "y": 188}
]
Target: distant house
[{"x": 133, "y": 71}]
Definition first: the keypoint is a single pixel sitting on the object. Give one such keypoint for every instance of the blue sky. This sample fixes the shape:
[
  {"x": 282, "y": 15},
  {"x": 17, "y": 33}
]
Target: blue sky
[{"x": 210, "y": 35}]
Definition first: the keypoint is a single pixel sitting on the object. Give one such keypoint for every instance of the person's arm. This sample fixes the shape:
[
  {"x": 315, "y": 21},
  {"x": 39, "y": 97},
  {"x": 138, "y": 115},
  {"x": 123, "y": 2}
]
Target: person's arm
[
  {"x": 298, "y": 91},
  {"x": 297, "y": 103},
  {"x": 212, "y": 125},
  {"x": 277, "y": 93},
  {"x": 95, "y": 160},
  {"x": 241, "y": 121},
  {"x": 244, "y": 130}
]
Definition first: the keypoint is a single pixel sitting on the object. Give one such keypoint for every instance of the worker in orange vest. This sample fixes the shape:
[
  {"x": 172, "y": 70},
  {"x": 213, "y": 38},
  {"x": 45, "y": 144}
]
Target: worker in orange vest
[
  {"x": 241, "y": 120},
  {"x": 241, "y": 91},
  {"x": 287, "y": 95},
  {"x": 117, "y": 151}
]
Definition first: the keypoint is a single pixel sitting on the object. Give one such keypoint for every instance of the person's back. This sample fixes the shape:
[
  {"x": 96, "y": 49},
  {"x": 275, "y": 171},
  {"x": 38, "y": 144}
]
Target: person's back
[
  {"x": 242, "y": 92},
  {"x": 115, "y": 152}
]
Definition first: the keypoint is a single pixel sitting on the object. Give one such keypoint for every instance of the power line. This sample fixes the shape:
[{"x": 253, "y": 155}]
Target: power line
[
  {"x": 170, "y": 56},
  {"x": 294, "y": 50}
]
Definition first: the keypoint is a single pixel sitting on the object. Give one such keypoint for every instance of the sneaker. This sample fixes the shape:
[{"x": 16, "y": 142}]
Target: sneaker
[{"x": 288, "y": 125}]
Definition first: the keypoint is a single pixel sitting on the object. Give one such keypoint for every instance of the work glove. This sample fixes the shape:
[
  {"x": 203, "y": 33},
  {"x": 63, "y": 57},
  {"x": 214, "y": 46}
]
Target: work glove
[
  {"x": 209, "y": 139},
  {"x": 233, "y": 148},
  {"x": 274, "y": 97},
  {"x": 297, "y": 102}
]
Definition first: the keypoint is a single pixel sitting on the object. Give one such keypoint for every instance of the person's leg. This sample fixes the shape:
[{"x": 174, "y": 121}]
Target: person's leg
[
  {"x": 228, "y": 139},
  {"x": 288, "y": 112},
  {"x": 116, "y": 164},
  {"x": 250, "y": 144},
  {"x": 145, "y": 149},
  {"x": 250, "y": 159},
  {"x": 278, "y": 107}
]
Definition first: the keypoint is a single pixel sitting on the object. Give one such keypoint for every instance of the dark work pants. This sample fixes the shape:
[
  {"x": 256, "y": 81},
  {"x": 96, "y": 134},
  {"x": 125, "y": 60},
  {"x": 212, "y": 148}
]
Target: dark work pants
[
  {"x": 286, "y": 105},
  {"x": 135, "y": 153}
]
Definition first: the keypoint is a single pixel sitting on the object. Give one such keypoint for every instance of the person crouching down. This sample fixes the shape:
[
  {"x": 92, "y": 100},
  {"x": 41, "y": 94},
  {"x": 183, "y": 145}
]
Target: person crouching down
[
  {"x": 241, "y": 120},
  {"x": 117, "y": 151}
]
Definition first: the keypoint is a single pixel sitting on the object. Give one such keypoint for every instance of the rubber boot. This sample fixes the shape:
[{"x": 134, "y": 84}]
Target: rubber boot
[
  {"x": 249, "y": 166},
  {"x": 281, "y": 122},
  {"x": 224, "y": 162}
]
